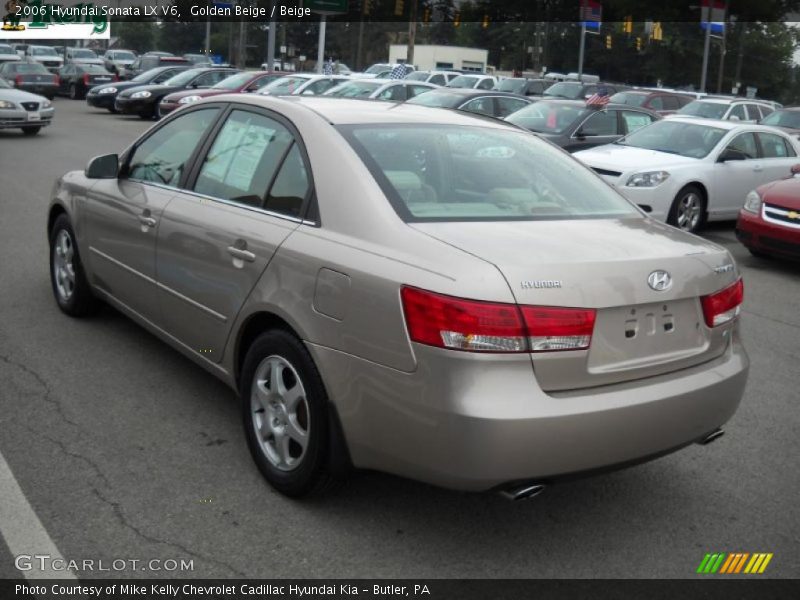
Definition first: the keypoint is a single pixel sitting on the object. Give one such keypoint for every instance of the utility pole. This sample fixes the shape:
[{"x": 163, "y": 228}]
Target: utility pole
[
  {"x": 740, "y": 58},
  {"x": 271, "y": 40},
  {"x": 722, "y": 51},
  {"x": 323, "y": 21},
  {"x": 412, "y": 33},
  {"x": 360, "y": 42},
  {"x": 706, "y": 48},
  {"x": 581, "y": 50}
]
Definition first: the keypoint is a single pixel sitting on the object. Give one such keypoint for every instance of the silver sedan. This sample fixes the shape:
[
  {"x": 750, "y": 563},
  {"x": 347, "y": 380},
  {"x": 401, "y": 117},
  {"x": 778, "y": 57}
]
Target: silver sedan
[
  {"x": 23, "y": 110},
  {"x": 407, "y": 289}
]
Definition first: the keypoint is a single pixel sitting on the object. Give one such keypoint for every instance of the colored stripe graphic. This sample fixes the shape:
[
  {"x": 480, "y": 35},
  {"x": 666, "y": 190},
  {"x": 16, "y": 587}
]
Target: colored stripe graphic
[{"x": 734, "y": 562}]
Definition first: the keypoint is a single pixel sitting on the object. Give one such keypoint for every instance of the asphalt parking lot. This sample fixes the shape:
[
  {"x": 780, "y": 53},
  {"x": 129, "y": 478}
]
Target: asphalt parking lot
[{"x": 126, "y": 450}]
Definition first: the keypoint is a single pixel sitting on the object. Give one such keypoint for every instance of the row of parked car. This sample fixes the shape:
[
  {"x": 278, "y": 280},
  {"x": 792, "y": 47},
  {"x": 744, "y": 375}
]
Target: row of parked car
[{"x": 685, "y": 166}]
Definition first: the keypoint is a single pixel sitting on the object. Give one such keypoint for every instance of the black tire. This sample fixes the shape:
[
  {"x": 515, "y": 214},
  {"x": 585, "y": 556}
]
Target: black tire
[
  {"x": 113, "y": 110},
  {"x": 157, "y": 111},
  {"x": 146, "y": 114},
  {"x": 31, "y": 130},
  {"x": 315, "y": 470},
  {"x": 690, "y": 198},
  {"x": 81, "y": 302},
  {"x": 759, "y": 253},
  {"x": 73, "y": 91}
]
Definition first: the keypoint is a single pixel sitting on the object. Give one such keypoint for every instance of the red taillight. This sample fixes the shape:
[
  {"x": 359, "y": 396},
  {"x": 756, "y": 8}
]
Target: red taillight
[
  {"x": 723, "y": 306},
  {"x": 85, "y": 79},
  {"x": 476, "y": 326},
  {"x": 18, "y": 80},
  {"x": 56, "y": 79},
  {"x": 552, "y": 328}
]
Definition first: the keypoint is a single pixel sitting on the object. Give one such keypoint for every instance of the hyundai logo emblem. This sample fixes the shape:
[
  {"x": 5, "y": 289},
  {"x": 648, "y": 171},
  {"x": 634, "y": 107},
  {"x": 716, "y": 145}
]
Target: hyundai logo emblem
[{"x": 659, "y": 281}]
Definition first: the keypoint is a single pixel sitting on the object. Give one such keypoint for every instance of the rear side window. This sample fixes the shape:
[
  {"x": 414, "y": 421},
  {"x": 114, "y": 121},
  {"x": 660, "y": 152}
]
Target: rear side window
[
  {"x": 438, "y": 79},
  {"x": 485, "y": 84},
  {"x": 634, "y": 120},
  {"x": 395, "y": 93},
  {"x": 738, "y": 111},
  {"x": 656, "y": 103},
  {"x": 244, "y": 158},
  {"x": 461, "y": 173},
  {"x": 162, "y": 158},
  {"x": 669, "y": 103},
  {"x": 745, "y": 144},
  {"x": 506, "y": 106},
  {"x": 288, "y": 192},
  {"x": 774, "y": 146}
]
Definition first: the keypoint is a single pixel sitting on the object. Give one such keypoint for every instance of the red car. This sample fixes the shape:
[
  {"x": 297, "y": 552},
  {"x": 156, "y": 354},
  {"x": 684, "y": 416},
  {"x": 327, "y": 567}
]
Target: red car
[
  {"x": 769, "y": 222},
  {"x": 247, "y": 81}
]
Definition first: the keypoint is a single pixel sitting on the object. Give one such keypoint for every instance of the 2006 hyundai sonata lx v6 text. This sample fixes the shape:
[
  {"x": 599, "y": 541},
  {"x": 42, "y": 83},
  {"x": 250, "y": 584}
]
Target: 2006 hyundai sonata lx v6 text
[{"x": 406, "y": 289}]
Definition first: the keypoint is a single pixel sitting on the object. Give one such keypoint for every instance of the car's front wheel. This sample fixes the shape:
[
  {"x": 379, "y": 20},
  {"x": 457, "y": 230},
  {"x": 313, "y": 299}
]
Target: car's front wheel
[
  {"x": 70, "y": 287},
  {"x": 31, "y": 130},
  {"x": 688, "y": 211},
  {"x": 285, "y": 410}
]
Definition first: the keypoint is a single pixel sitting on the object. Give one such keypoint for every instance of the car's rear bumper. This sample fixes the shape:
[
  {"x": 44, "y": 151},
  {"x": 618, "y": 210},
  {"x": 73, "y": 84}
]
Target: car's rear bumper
[
  {"x": 43, "y": 89},
  {"x": 474, "y": 422},
  {"x": 762, "y": 236}
]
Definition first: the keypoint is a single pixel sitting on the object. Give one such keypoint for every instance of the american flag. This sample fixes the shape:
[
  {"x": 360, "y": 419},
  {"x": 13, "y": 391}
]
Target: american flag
[
  {"x": 599, "y": 98},
  {"x": 398, "y": 72},
  {"x": 591, "y": 10}
]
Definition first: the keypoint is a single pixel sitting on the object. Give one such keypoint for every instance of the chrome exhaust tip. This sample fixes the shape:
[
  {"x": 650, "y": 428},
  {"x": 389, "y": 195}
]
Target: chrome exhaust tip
[
  {"x": 522, "y": 492},
  {"x": 711, "y": 437}
]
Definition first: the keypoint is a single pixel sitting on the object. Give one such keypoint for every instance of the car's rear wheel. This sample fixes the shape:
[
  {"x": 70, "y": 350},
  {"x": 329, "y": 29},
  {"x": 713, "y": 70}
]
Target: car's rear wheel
[
  {"x": 285, "y": 410},
  {"x": 688, "y": 211},
  {"x": 758, "y": 253},
  {"x": 70, "y": 287},
  {"x": 31, "y": 130}
]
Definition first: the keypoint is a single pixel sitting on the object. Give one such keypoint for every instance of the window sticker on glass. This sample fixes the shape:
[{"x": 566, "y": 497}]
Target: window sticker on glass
[{"x": 634, "y": 121}]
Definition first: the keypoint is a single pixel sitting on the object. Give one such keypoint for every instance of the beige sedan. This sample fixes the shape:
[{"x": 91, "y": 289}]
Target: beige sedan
[{"x": 406, "y": 289}]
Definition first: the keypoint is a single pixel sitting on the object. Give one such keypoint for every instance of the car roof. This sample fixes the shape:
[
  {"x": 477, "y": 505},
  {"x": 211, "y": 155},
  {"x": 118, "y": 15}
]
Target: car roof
[
  {"x": 475, "y": 92},
  {"x": 352, "y": 111}
]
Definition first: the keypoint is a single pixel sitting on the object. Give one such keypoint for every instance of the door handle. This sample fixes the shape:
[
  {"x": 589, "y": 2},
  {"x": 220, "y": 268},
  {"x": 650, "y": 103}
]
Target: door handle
[
  {"x": 241, "y": 253},
  {"x": 147, "y": 221}
]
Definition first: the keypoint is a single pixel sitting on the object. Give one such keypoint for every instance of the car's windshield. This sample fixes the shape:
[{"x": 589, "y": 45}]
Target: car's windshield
[
  {"x": 629, "y": 98},
  {"x": 463, "y": 81},
  {"x": 29, "y": 68},
  {"x": 783, "y": 118},
  {"x": 547, "y": 117},
  {"x": 456, "y": 173},
  {"x": 565, "y": 89},
  {"x": 183, "y": 77},
  {"x": 5, "y": 49},
  {"x": 284, "y": 85},
  {"x": 674, "y": 137},
  {"x": 438, "y": 98},
  {"x": 233, "y": 82},
  {"x": 43, "y": 51},
  {"x": 148, "y": 75},
  {"x": 354, "y": 89},
  {"x": 708, "y": 110},
  {"x": 376, "y": 69},
  {"x": 517, "y": 86},
  {"x": 123, "y": 55},
  {"x": 418, "y": 76},
  {"x": 83, "y": 54}
]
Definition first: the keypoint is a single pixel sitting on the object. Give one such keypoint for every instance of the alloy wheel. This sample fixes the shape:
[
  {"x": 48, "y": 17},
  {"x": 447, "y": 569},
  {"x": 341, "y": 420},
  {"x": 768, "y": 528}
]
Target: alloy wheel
[
  {"x": 690, "y": 210},
  {"x": 280, "y": 413},
  {"x": 63, "y": 265}
]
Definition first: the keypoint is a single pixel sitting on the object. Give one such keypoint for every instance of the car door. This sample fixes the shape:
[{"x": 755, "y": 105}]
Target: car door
[
  {"x": 733, "y": 179},
  {"x": 601, "y": 127},
  {"x": 247, "y": 194},
  {"x": 123, "y": 215},
  {"x": 777, "y": 156}
]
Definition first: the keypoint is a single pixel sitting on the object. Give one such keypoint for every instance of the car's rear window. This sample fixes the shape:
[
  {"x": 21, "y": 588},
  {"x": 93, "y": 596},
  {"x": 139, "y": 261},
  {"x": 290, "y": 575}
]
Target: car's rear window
[
  {"x": 467, "y": 173},
  {"x": 28, "y": 68}
]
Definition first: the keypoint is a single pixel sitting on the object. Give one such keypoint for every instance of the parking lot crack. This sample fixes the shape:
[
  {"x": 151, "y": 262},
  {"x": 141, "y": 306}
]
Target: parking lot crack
[
  {"x": 84, "y": 459},
  {"x": 120, "y": 515},
  {"x": 48, "y": 392}
]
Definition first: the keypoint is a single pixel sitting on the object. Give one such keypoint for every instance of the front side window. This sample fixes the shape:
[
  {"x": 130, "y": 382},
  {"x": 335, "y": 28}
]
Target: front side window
[
  {"x": 463, "y": 81},
  {"x": 603, "y": 122},
  {"x": 455, "y": 173},
  {"x": 631, "y": 99},
  {"x": 416, "y": 90},
  {"x": 738, "y": 112},
  {"x": 244, "y": 157},
  {"x": 656, "y": 103},
  {"x": 162, "y": 158},
  {"x": 708, "y": 110},
  {"x": 486, "y": 84},
  {"x": 210, "y": 78},
  {"x": 438, "y": 79},
  {"x": 481, "y": 106},
  {"x": 394, "y": 93},
  {"x": 744, "y": 145},
  {"x": 320, "y": 87},
  {"x": 547, "y": 117}
]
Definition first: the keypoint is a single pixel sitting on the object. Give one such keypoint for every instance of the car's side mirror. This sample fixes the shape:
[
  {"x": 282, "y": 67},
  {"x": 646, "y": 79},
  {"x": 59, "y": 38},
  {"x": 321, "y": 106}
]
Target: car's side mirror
[
  {"x": 731, "y": 154},
  {"x": 103, "y": 167}
]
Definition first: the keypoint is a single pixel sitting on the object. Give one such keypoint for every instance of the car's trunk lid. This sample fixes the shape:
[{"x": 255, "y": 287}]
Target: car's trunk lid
[{"x": 605, "y": 265}]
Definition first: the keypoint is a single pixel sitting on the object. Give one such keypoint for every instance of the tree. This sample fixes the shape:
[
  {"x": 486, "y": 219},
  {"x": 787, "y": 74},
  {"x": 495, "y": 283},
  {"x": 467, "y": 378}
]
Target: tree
[{"x": 134, "y": 35}]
